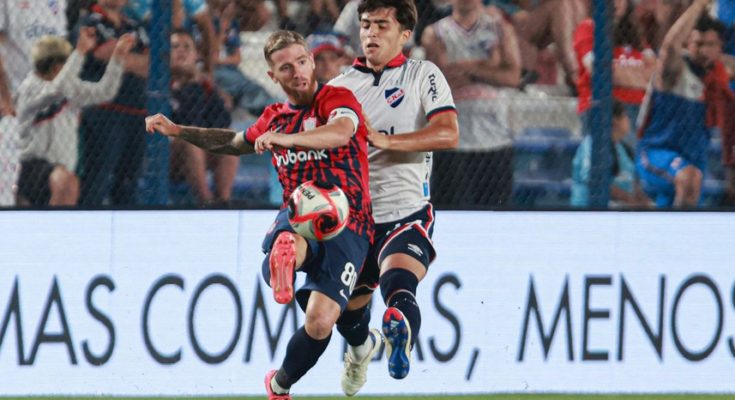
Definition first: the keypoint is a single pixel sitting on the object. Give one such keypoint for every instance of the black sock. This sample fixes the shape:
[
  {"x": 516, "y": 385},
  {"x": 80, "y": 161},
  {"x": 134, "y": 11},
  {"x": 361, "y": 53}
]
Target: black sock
[
  {"x": 406, "y": 303},
  {"x": 354, "y": 325},
  {"x": 302, "y": 353}
]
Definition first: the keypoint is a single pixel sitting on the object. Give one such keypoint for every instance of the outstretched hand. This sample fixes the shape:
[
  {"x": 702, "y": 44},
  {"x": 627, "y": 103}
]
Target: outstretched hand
[
  {"x": 159, "y": 123},
  {"x": 87, "y": 39}
]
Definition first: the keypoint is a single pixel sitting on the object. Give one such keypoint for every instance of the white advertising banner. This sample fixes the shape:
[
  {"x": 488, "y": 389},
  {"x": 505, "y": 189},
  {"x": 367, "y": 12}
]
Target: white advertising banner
[{"x": 172, "y": 303}]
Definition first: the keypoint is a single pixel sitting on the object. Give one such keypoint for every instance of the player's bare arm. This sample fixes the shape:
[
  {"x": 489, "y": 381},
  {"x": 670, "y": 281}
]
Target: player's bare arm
[
  {"x": 442, "y": 133},
  {"x": 220, "y": 141},
  {"x": 670, "y": 64},
  {"x": 336, "y": 133}
]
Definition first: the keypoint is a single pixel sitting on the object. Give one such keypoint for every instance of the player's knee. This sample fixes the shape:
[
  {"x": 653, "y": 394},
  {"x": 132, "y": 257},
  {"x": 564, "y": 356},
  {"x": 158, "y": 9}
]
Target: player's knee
[
  {"x": 318, "y": 326},
  {"x": 397, "y": 279}
]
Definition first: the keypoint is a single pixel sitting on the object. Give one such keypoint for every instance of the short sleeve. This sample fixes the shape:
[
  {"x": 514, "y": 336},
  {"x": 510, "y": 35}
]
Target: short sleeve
[
  {"x": 259, "y": 127},
  {"x": 338, "y": 98},
  {"x": 436, "y": 96}
]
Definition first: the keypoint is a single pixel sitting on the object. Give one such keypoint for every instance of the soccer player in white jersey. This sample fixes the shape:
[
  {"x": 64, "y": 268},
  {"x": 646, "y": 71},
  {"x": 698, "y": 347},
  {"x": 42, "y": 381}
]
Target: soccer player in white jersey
[{"x": 410, "y": 107}]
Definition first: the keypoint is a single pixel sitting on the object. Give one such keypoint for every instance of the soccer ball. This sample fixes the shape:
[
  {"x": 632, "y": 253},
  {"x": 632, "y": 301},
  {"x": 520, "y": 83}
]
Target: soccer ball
[{"x": 318, "y": 210}]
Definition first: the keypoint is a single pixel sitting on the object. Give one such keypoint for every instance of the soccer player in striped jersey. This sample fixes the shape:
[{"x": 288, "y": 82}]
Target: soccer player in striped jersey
[
  {"x": 412, "y": 113},
  {"x": 318, "y": 135}
]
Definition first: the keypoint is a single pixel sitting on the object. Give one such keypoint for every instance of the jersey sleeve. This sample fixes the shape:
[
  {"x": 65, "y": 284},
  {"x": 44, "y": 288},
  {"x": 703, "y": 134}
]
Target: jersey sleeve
[
  {"x": 259, "y": 127},
  {"x": 436, "y": 97},
  {"x": 340, "y": 102}
]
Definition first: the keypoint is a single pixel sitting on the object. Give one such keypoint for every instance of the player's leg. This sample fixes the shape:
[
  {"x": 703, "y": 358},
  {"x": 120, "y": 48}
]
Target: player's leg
[
  {"x": 354, "y": 324},
  {"x": 332, "y": 271},
  {"x": 404, "y": 259},
  {"x": 362, "y": 342},
  {"x": 307, "y": 344},
  {"x": 399, "y": 280}
]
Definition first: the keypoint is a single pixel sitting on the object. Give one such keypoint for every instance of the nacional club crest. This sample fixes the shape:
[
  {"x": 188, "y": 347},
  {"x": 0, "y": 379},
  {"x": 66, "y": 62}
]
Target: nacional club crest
[{"x": 394, "y": 96}]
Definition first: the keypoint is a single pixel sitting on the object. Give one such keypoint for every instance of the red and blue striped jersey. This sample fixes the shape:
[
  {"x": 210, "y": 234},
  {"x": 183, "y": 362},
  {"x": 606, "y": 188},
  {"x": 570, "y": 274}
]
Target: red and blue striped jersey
[{"x": 345, "y": 166}]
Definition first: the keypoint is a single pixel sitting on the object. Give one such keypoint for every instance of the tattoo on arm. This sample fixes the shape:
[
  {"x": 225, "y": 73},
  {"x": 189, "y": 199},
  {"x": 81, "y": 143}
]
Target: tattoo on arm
[{"x": 221, "y": 141}]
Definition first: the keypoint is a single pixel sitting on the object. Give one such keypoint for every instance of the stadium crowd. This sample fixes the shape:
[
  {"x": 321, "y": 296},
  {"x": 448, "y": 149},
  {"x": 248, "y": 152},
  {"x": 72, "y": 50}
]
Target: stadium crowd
[{"x": 497, "y": 55}]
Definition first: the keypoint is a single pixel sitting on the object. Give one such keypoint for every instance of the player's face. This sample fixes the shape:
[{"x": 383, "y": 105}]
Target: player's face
[
  {"x": 183, "y": 52},
  {"x": 381, "y": 36},
  {"x": 293, "y": 69},
  {"x": 704, "y": 47}
]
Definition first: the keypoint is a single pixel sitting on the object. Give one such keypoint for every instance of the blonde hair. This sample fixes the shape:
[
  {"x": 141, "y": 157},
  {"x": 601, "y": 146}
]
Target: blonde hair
[
  {"x": 279, "y": 40},
  {"x": 49, "y": 51}
]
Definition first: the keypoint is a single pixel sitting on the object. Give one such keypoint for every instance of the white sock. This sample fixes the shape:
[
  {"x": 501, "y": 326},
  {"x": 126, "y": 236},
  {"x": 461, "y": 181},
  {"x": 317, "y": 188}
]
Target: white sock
[
  {"x": 360, "y": 352},
  {"x": 276, "y": 388}
]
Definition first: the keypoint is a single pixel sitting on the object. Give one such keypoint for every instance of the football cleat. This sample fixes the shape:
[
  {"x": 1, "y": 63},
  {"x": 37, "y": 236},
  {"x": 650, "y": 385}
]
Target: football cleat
[
  {"x": 282, "y": 262},
  {"x": 269, "y": 390},
  {"x": 354, "y": 374},
  {"x": 397, "y": 342}
]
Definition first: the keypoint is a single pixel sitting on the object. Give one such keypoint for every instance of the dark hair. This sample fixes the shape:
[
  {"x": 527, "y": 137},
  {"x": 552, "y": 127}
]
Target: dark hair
[
  {"x": 406, "y": 13},
  {"x": 706, "y": 23},
  {"x": 625, "y": 31},
  {"x": 182, "y": 31}
]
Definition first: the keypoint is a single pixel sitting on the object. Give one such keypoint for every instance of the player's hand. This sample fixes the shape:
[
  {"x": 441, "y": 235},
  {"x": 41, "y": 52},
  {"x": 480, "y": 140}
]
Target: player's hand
[
  {"x": 270, "y": 140},
  {"x": 87, "y": 39},
  {"x": 377, "y": 139},
  {"x": 159, "y": 123},
  {"x": 123, "y": 46}
]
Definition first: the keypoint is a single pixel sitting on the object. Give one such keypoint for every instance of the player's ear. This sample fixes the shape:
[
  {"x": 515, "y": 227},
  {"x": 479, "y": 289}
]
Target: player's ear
[
  {"x": 272, "y": 76},
  {"x": 405, "y": 36}
]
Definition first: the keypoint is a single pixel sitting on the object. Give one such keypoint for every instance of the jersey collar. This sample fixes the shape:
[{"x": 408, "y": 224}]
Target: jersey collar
[{"x": 361, "y": 64}]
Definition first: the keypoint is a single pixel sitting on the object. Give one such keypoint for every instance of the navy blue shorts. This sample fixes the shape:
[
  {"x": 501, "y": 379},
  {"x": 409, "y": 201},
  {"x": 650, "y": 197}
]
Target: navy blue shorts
[
  {"x": 331, "y": 266},
  {"x": 410, "y": 236}
]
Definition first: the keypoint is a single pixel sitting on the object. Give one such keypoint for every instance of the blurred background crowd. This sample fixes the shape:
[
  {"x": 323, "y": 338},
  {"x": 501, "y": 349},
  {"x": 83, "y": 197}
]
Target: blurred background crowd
[{"x": 74, "y": 91}]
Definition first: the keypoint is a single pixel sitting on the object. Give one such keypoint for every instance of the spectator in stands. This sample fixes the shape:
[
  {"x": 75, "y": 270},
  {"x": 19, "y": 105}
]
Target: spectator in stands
[
  {"x": 21, "y": 24},
  {"x": 673, "y": 150},
  {"x": 112, "y": 145},
  {"x": 49, "y": 102},
  {"x": 633, "y": 65},
  {"x": 187, "y": 14},
  {"x": 245, "y": 93},
  {"x": 348, "y": 26},
  {"x": 624, "y": 188},
  {"x": 195, "y": 102},
  {"x": 330, "y": 57},
  {"x": 480, "y": 58},
  {"x": 541, "y": 23}
]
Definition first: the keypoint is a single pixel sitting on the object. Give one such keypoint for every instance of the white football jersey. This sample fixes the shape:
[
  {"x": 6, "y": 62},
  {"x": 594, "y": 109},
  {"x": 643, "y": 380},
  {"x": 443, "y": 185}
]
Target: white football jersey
[
  {"x": 401, "y": 99},
  {"x": 23, "y": 22}
]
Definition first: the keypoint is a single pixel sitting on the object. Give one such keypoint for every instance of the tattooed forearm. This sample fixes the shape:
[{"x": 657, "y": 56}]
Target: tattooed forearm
[{"x": 222, "y": 141}]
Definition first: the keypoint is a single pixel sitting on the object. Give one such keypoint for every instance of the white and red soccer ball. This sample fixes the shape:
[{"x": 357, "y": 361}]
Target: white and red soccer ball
[{"x": 318, "y": 210}]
